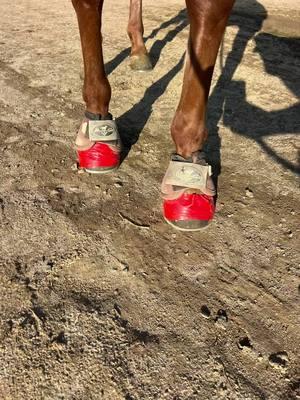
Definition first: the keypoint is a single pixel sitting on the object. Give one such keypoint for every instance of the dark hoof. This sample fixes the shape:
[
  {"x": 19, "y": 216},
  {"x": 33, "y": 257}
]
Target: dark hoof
[{"x": 140, "y": 63}]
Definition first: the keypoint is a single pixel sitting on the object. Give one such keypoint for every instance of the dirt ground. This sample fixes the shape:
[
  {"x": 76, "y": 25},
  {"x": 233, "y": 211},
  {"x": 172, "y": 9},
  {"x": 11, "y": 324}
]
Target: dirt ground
[{"x": 100, "y": 299}]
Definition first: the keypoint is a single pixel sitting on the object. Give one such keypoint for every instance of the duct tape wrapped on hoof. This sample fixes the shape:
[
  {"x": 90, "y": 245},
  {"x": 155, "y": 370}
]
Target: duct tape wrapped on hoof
[
  {"x": 98, "y": 145},
  {"x": 188, "y": 193}
]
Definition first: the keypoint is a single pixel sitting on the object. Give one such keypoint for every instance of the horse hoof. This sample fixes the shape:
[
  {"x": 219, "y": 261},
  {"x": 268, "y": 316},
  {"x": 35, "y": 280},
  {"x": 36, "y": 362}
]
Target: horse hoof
[
  {"x": 189, "y": 212},
  {"x": 140, "y": 62}
]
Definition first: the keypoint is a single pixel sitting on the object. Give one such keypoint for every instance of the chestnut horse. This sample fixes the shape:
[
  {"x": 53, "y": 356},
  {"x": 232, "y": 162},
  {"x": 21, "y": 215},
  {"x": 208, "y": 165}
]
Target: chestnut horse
[{"x": 187, "y": 189}]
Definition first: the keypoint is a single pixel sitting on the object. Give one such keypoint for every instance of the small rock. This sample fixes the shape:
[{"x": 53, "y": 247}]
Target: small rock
[
  {"x": 74, "y": 167},
  {"x": 74, "y": 189},
  {"x": 220, "y": 206},
  {"x": 54, "y": 192},
  {"x": 221, "y": 318},
  {"x": 118, "y": 184},
  {"x": 249, "y": 193}
]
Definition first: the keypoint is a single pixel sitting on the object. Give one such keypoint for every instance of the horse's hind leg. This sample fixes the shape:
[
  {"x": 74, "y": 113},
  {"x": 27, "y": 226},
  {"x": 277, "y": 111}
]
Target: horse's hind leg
[{"x": 139, "y": 58}]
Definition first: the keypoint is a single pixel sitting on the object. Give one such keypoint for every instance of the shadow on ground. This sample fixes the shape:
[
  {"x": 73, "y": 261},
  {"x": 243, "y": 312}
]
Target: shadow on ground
[{"x": 227, "y": 102}]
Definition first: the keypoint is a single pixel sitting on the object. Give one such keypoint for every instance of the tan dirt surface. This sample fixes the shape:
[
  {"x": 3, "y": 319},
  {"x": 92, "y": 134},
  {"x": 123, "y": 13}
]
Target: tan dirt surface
[{"x": 100, "y": 298}]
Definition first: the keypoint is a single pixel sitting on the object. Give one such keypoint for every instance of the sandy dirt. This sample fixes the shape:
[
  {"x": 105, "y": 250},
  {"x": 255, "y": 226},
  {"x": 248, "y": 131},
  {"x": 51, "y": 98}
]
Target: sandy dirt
[{"x": 100, "y": 299}]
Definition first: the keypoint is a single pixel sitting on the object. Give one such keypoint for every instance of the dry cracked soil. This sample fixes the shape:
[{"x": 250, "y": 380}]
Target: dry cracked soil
[{"x": 100, "y": 299}]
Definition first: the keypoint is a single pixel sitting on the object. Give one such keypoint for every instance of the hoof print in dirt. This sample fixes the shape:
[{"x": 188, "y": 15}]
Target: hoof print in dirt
[
  {"x": 245, "y": 343},
  {"x": 205, "y": 311},
  {"x": 279, "y": 360},
  {"x": 221, "y": 318}
]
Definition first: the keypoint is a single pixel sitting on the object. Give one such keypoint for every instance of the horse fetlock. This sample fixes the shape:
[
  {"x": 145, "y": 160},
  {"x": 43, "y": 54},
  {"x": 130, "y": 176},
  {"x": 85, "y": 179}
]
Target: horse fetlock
[
  {"x": 188, "y": 136},
  {"x": 97, "y": 101}
]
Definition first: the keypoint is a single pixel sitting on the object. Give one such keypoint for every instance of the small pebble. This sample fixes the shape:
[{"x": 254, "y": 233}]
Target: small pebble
[
  {"x": 74, "y": 189},
  {"x": 249, "y": 193},
  {"x": 118, "y": 184},
  {"x": 220, "y": 206},
  {"x": 221, "y": 318},
  {"x": 54, "y": 192}
]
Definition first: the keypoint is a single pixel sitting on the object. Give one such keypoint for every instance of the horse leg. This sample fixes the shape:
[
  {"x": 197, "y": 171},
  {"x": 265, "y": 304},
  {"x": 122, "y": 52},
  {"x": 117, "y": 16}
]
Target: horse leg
[
  {"x": 96, "y": 88},
  {"x": 193, "y": 207},
  {"x": 97, "y": 141},
  {"x": 139, "y": 58}
]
